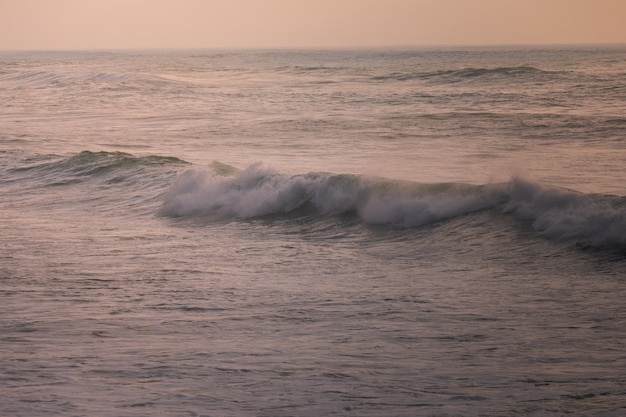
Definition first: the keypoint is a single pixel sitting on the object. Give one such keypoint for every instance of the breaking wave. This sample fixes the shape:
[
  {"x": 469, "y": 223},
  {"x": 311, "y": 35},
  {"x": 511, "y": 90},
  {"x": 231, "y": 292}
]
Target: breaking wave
[
  {"x": 258, "y": 191},
  {"x": 591, "y": 219},
  {"x": 224, "y": 192}
]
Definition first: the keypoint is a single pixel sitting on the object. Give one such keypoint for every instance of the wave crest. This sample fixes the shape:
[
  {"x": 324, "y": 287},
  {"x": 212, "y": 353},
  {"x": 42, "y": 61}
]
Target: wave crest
[
  {"x": 590, "y": 219},
  {"x": 87, "y": 165},
  {"x": 258, "y": 191}
]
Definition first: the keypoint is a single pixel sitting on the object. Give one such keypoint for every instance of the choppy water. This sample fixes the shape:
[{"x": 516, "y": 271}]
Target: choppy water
[{"x": 437, "y": 232}]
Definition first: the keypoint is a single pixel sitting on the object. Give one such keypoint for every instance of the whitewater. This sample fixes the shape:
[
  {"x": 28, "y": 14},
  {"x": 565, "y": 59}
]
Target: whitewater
[{"x": 341, "y": 232}]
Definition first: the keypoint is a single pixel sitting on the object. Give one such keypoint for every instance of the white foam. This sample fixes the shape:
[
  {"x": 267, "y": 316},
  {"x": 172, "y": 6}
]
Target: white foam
[
  {"x": 258, "y": 191},
  {"x": 255, "y": 191},
  {"x": 411, "y": 211},
  {"x": 563, "y": 214}
]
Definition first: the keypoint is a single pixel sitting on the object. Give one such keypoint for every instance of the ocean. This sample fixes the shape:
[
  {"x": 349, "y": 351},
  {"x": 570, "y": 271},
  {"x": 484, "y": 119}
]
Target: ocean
[{"x": 333, "y": 232}]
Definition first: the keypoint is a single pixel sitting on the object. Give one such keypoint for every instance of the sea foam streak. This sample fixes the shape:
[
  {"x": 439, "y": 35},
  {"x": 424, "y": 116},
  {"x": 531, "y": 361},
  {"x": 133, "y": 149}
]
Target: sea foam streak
[{"x": 555, "y": 213}]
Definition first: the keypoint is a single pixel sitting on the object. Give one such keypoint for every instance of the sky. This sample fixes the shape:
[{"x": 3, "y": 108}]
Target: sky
[{"x": 132, "y": 24}]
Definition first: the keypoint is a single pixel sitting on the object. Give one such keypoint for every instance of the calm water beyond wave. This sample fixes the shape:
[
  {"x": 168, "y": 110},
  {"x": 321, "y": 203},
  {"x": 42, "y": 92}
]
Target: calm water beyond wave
[{"x": 389, "y": 232}]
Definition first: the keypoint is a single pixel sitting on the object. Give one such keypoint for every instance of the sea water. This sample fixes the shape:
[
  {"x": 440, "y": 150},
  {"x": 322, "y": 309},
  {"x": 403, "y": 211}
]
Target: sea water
[{"x": 367, "y": 232}]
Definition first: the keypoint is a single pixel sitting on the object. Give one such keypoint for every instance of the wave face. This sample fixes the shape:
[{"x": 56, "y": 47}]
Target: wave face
[
  {"x": 93, "y": 181},
  {"x": 92, "y": 164},
  {"x": 560, "y": 214}
]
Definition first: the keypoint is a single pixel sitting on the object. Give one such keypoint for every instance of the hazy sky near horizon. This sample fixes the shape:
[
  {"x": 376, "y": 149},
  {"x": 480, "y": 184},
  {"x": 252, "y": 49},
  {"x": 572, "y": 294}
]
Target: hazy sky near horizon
[{"x": 120, "y": 24}]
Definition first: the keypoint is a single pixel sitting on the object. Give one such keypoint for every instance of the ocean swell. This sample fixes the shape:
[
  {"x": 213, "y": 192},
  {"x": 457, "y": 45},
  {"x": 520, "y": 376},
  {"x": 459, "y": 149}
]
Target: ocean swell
[
  {"x": 47, "y": 78},
  {"x": 464, "y": 74},
  {"x": 92, "y": 163},
  {"x": 53, "y": 170}
]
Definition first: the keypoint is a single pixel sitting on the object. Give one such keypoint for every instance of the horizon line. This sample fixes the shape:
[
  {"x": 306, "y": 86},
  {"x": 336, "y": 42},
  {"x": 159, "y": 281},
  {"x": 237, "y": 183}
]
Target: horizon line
[{"x": 321, "y": 47}]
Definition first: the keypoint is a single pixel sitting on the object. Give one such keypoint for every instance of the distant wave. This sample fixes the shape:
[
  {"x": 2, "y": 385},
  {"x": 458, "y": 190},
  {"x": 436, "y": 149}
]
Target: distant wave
[
  {"x": 44, "y": 78},
  {"x": 258, "y": 191},
  {"x": 508, "y": 71},
  {"x": 39, "y": 78},
  {"x": 468, "y": 73},
  {"x": 298, "y": 69}
]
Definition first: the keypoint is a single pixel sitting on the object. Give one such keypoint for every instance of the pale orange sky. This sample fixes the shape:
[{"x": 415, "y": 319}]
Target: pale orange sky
[{"x": 115, "y": 24}]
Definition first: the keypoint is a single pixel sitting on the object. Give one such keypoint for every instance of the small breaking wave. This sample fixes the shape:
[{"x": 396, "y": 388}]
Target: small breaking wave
[{"x": 555, "y": 213}]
